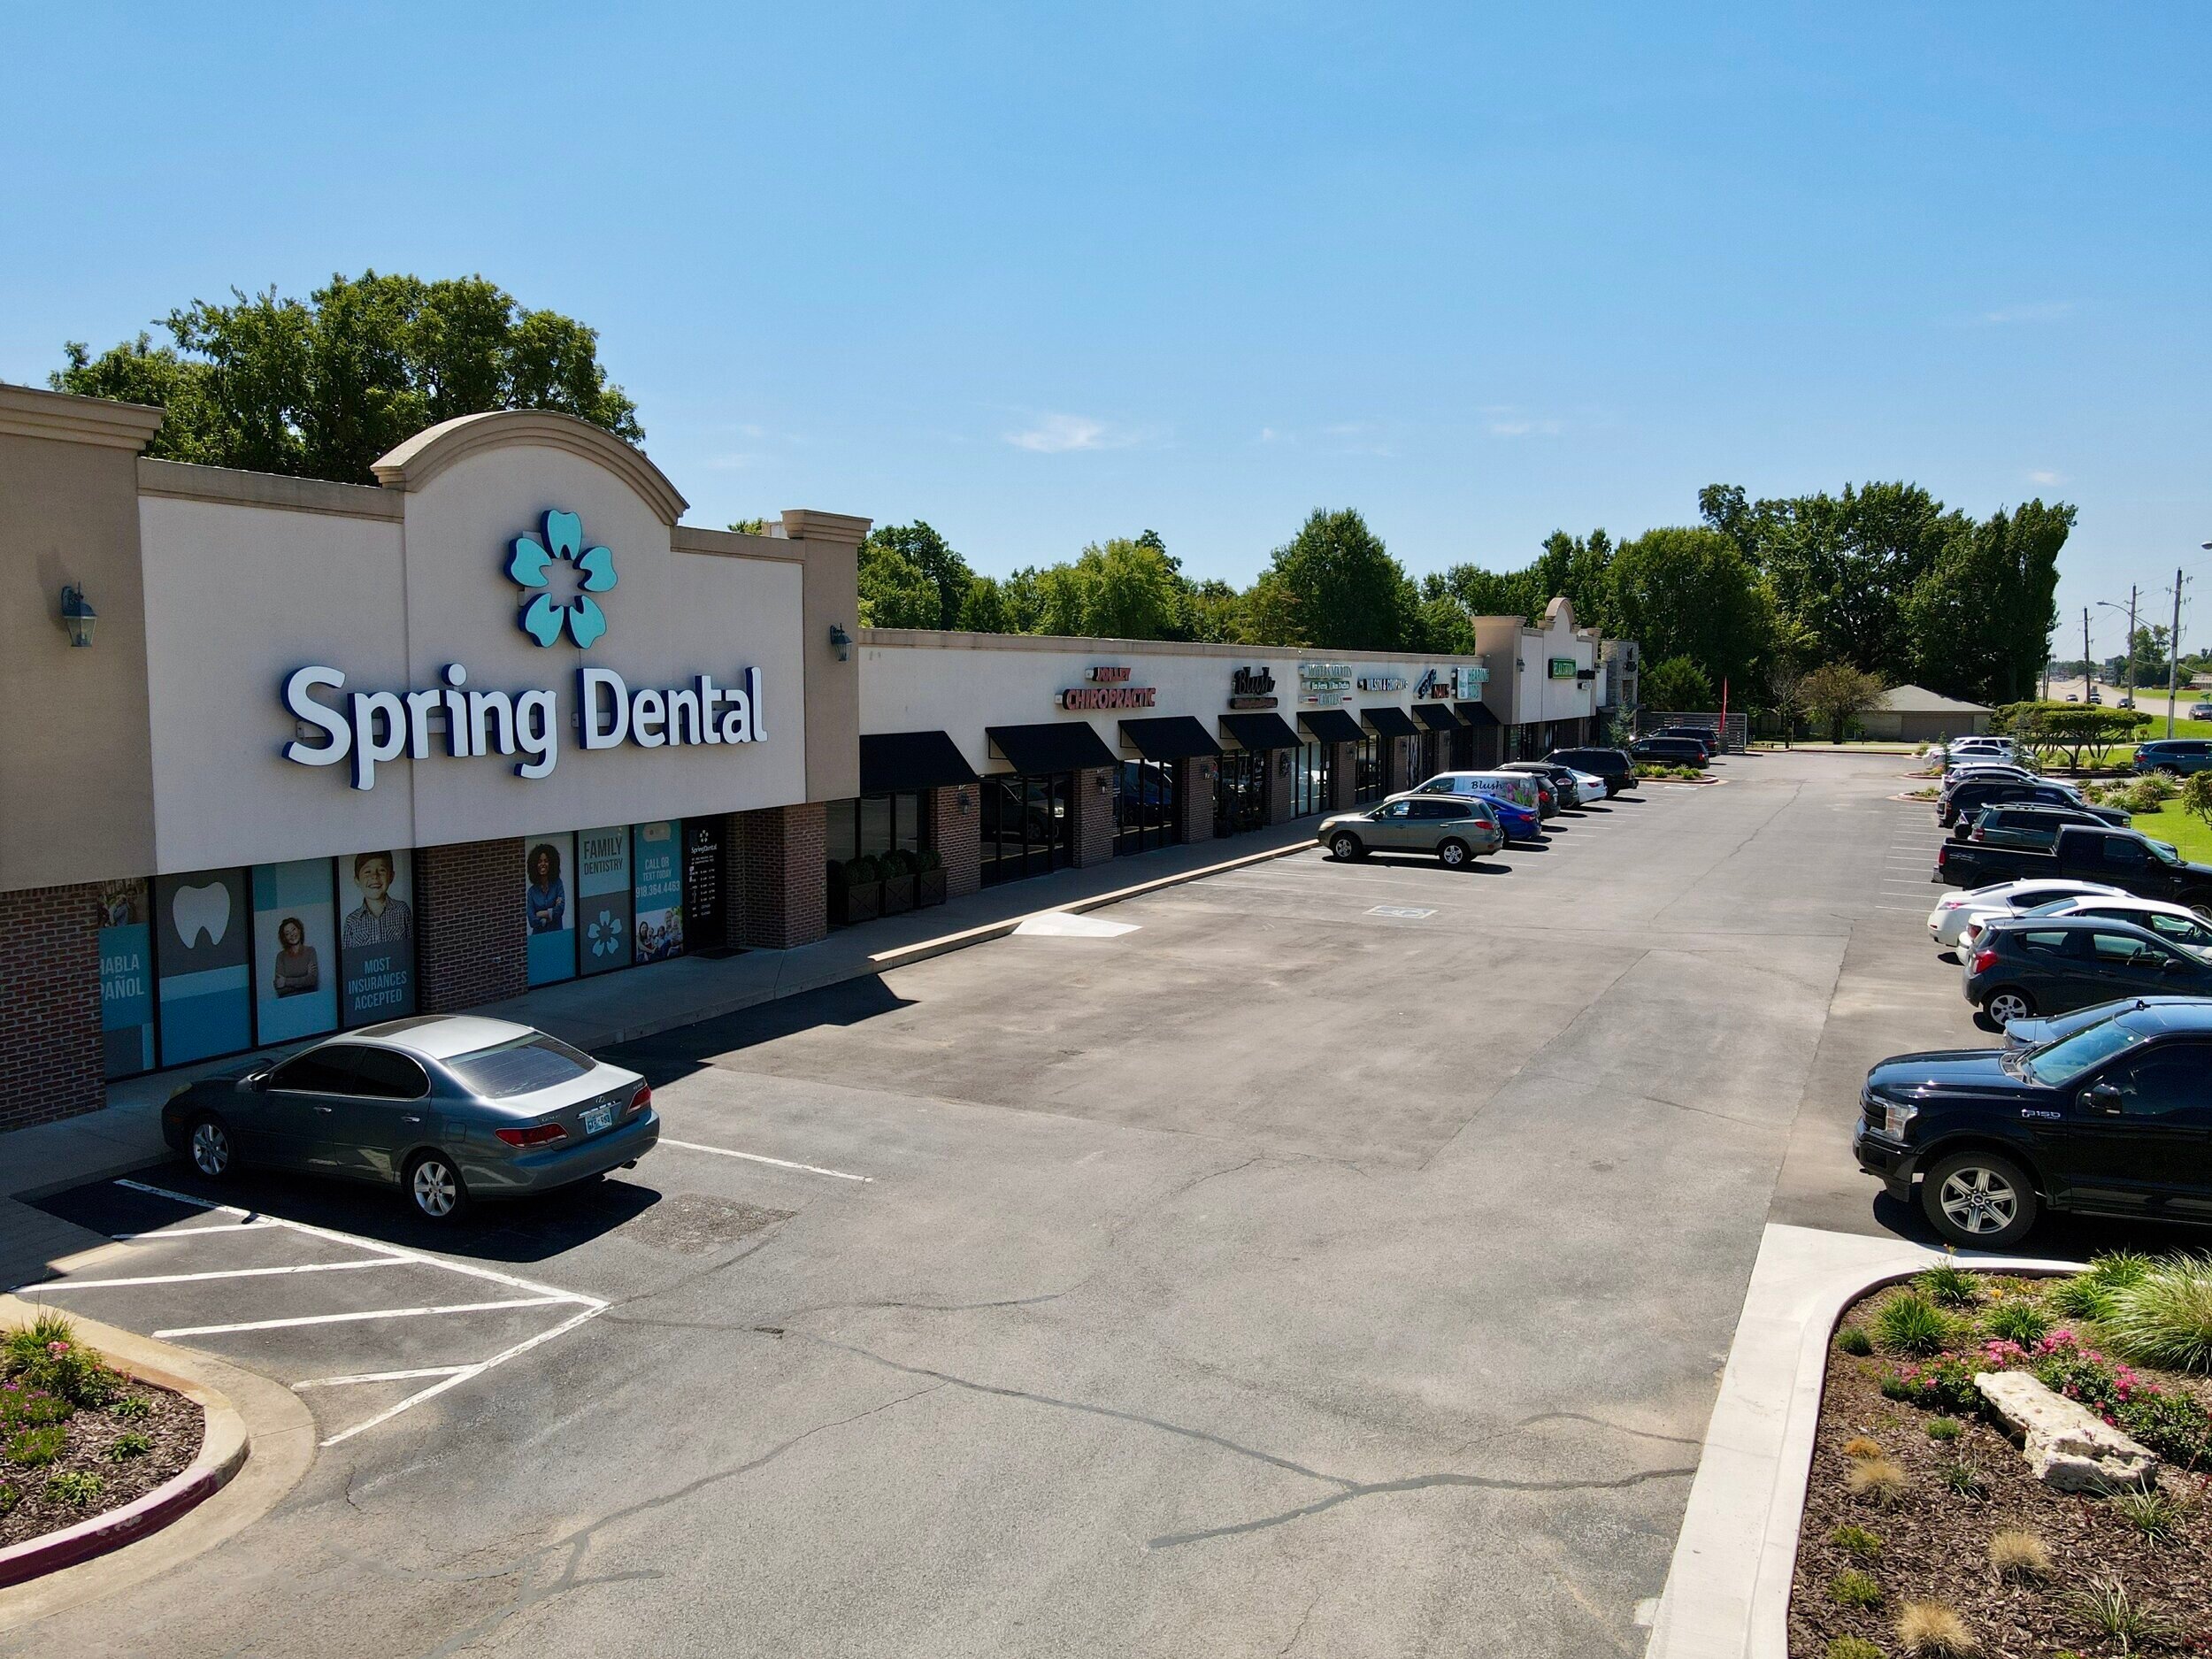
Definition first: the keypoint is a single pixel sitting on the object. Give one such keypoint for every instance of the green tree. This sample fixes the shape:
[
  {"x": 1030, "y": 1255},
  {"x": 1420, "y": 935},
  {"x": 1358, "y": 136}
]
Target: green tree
[
  {"x": 1838, "y": 694},
  {"x": 930, "y": 554},
  {"x": 1677, "y": 684},
  {"x": 894, "y": 591},
  {"x": 1978, "y": 622},
  {"x": 1333, "y": 585},
  {"x": 1789, "y": 658},
  {"x": 1692, "y": 593},
  {"x": 1132, "y": 590},
  {"x": 983, "y": 608},
  {"x": 2196, "y": 797},
  {"x": 1217, "y": 611},
  {"x": 750, "y": 527},
  {"x": 2075, "y": 729},
  {"x": 321, "y": 387}
]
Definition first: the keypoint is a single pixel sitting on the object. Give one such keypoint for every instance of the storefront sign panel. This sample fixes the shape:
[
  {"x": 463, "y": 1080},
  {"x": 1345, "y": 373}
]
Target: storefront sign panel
[
  {"x": 1563, "y": 668},
  {"x": 704, "y": 916},
  {"x": 126, "y": 979},
  {"x": 549, "y": 865},
  {"x": 295, "y": 950},
  {"x": 656, "y": 897},
  {"x": 204, "y": 923},
  {"x": 603, "y": 895},
  {"x": 376, "y": 935}
]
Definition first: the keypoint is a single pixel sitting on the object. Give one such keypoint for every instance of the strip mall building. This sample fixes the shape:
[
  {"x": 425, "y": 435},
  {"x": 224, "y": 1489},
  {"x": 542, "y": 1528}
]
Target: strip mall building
[{"x": 284, "y": 756}]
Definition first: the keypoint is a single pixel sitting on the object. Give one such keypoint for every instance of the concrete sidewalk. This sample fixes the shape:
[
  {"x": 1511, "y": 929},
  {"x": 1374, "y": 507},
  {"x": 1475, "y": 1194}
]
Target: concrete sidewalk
[{"x": 598, "y": 1012}]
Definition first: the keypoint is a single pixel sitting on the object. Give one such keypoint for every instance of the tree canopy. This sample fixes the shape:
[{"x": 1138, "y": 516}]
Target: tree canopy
[{"x": 321, "y": 387}]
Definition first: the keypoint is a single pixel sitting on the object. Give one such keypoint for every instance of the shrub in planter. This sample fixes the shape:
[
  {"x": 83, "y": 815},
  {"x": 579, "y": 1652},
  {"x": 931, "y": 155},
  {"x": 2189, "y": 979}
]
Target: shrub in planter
[
  {"x": 929, "y": 880},
  {"x": 898, "y": 885},
  {"x": 861, "y": 890},
  {"x": 45, "y": 1355},
  {"x": 1941, "y": 1384},
  {"x": 2165, "y": 1317},
  {"x": 1910, "y": 1324}
]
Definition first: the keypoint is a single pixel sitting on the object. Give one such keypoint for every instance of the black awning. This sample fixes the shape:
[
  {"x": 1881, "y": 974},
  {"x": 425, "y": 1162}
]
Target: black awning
[
  {"x": 897, "y": 763},
  {"x": 1437, "y": 718},
  {"x": 1390, "y": 721},
  {"x": 1260, "y": 732},
  {"x": 1478, "y": 714},
  {"x": 1332, "y": 725},
  {"x": 1169, "y": 737},
  {"x": 1051, "y": 746}
]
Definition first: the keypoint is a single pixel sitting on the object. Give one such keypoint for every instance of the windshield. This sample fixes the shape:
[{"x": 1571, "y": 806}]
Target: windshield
[
  {"x": 520, "y": 1067},
  {"x": 2164, "y": 851},
  {"x": 2059, "y": 1063}
]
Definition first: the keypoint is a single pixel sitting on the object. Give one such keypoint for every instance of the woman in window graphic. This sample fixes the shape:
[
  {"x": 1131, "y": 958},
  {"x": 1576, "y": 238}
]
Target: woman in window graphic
[
  {"x": 379, "y": 918},
  {"x": 549, "y": 898},
  {"x": 297, "y": 971}
]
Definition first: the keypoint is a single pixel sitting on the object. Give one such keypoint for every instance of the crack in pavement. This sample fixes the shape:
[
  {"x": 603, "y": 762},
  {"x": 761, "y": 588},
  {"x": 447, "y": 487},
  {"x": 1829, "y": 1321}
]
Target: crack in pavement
[
  {"x": 1617, "y": 1428},
  {"x": 1412, "y": 1483},
  {"x": 578, "y": 1543}
]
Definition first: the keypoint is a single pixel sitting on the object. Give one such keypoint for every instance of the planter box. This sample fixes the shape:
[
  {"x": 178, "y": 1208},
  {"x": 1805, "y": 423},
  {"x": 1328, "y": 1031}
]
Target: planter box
[
  {"x": 929, "y": 888},
  {"x": 898, "y": 894},
  {"x": 857, "y": 901}
]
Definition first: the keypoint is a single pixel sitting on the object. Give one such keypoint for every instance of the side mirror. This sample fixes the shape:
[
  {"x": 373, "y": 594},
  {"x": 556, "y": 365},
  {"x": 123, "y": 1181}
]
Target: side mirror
[
  {"x": 2173, "y": 965},
  {"x": 2102, "y": 1099}
]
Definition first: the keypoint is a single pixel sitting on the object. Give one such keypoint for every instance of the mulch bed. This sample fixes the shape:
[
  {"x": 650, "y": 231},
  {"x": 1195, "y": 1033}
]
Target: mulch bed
[
  {"x": 1934, "y": 1544},
  {"x": 174, "y": 1426}
]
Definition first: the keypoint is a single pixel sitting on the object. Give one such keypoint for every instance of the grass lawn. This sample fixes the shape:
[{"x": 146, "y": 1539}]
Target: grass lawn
[{"x": 2190, "y": 835}]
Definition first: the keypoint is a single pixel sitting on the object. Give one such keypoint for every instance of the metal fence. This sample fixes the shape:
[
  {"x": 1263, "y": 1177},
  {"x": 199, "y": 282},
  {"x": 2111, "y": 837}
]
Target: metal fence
[{"x": 1650, "y": 722}]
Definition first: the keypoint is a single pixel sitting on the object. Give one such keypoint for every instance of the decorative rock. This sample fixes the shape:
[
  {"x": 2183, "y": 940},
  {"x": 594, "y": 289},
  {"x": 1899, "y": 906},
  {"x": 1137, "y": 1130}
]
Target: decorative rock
[{"x": 2070, "y": 1446}]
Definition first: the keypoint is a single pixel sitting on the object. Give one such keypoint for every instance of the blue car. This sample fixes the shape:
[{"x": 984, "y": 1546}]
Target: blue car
[{"x": 2174, "y": 755}]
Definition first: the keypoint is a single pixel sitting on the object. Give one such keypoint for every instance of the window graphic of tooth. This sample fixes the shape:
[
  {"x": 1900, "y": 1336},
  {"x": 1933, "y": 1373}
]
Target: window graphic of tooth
[{"x": 201, "y": 910}]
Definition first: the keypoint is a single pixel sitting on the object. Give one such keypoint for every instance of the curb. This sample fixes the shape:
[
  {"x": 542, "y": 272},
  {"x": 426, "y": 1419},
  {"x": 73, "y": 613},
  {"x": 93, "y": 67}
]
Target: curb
[
  {"x": 224, "y": 1449},
  {"x": 231, "y": 1436},
  {"x": 1727, "y": 1594},
  {"x": 906, "y": 954}
]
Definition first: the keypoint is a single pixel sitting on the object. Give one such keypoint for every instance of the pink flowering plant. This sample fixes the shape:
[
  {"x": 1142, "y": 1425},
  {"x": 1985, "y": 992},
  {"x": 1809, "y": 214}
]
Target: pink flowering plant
[{"x": 45, "y": 1357}]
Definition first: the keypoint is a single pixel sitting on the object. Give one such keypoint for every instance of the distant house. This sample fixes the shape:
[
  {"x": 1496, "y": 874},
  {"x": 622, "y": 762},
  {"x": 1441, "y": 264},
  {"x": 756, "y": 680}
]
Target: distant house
[{"x": 1915, "y": 715}]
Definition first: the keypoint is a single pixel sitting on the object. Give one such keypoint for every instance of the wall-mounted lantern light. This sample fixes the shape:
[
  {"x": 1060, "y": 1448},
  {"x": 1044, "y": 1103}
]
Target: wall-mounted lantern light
[
  {"x": 961, "y": 796},
  {"x": 842, "y": 642},
  {"x": 1282, "y": 763},
  {"x": 1101, "y": 783},
  {"x": 76, "y": 615}
]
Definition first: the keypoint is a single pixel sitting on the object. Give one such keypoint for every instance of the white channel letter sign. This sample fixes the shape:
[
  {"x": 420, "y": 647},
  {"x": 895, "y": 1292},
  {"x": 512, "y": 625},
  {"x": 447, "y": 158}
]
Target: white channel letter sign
[{"x": 372, "y": 727}]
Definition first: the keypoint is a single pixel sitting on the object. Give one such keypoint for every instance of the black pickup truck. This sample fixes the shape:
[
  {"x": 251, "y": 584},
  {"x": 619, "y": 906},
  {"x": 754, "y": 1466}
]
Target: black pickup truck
[{"x": 2120, "y": 858}]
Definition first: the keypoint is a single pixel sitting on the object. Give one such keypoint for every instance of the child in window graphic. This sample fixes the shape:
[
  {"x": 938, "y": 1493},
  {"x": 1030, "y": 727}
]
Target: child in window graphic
[
  {"x": 379, "y": 918},
  {"x": 549, "y": 897}
]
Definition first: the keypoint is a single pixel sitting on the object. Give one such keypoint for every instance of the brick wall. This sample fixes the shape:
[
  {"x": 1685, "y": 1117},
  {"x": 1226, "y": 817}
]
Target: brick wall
[
  {"x": 957, "y": 836},
  {"x": 780, "y": 887},
  {"x": 472, "y": 932},
  {"x": 1094, "y": 810},
  {"x": 1194, "y": 799},
  {"x": 51, "y": 1062}
]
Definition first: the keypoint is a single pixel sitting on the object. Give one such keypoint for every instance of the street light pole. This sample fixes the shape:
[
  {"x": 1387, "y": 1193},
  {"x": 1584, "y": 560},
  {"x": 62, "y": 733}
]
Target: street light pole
[{"x": 2173, "y": 657}]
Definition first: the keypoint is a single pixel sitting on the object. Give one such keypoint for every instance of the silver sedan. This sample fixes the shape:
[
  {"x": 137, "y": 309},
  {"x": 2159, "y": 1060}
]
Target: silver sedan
[{"x": 449, "y": 1108}]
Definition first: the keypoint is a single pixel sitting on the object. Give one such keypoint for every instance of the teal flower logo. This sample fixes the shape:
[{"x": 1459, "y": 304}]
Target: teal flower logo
[{"x": 544, "y": 616}]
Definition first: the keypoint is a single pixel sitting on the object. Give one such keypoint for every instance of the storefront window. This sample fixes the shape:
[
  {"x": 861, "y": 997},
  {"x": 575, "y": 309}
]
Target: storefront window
[
  {"x": 1367, "y": 772},
  {"x": 1240, "y": 792},
  {"x": 874, "y": 824},
  {"x": 296, "y": 951},
  {"x": 202, "y": 943},
  {"x": 1144, "y": 806},
  {"x": 549, "y": 865},
  {"x": 602, "y": 899},
  {"x": 1312, "y": 768},
  {"x": 657, "y": 890},
  {"x": 1028, "y": 825},
  {"x": 376, "y": 936},
  {"x": 126, "y": 979}
]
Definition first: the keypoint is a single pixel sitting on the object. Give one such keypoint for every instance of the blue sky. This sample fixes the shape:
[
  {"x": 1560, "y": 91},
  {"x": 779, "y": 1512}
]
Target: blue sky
[{"x": 1043, "y": 278}]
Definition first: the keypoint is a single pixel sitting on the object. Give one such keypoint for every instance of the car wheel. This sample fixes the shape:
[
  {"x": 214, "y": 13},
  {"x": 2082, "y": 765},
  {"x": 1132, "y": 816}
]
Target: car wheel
[
  {"x": 209, "y": 1147},
  {"x": 1982, "y": 1199},
  {"x": 1455, "y": 854},
  {"x": 2007, "y": 1005},
  {"x": 434, "y": 1187},
  {"x": 1344, "y": 847}
]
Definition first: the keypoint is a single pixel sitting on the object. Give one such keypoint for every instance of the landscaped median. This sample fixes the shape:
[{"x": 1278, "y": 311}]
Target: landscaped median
[
  {"x": 1920, "y": 1455},
  {"x": 92, "y": 1457}
]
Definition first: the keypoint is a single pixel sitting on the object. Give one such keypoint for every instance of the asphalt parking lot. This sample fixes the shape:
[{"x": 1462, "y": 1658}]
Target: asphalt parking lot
[{"x": 1337, "y": 1259}]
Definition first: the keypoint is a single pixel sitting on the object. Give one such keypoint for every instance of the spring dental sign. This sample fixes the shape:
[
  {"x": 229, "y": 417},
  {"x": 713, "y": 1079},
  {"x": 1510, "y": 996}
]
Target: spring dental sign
[{"x": 373, "y": 728}]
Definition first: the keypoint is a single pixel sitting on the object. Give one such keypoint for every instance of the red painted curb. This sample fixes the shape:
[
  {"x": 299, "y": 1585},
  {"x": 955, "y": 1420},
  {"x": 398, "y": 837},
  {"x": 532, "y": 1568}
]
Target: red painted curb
[{"x": 139, "y": 1518}]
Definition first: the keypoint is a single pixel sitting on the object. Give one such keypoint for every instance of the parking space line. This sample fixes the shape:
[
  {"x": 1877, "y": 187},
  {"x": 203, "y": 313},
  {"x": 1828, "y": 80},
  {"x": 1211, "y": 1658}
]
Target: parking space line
[
  {"x": 232, "y": 1272},
  {"x": 477, "y": 1369},
  {"x": 225, "y": 1231},
  {"x": 758, "y": 1157},
  {"x": 380, "y": 1376},
  {"x": 356, "y": 1318}
]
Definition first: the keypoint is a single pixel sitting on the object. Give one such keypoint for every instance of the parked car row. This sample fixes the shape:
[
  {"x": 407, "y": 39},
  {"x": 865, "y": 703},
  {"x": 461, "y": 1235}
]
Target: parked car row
[
  {"x": 1462, "y": 816},
  {"x": 2088, "y": 946}
]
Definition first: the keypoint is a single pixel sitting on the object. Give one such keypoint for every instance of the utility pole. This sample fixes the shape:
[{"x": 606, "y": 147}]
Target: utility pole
[
  {"x": 2173, "y": 658},
  {"x": 2088, "y": 670},
  {"x": 2130, "y": 704}
]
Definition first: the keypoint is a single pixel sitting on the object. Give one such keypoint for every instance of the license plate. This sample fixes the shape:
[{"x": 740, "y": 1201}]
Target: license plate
[{"x": 598, "y": 1117}]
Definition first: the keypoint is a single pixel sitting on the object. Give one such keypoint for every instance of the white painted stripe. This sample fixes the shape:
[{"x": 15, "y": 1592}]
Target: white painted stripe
[
  {"x": 356, "y": 1318},
  {"x": 467, "y": 1269},
  {"x": 756, "y": 1157},
  {"x": 455, "y": 1380},
  {"x": 234, "y": 1272},
  {"x": 225, "y": 1231},
  {"x": 381, "y": 1376}
]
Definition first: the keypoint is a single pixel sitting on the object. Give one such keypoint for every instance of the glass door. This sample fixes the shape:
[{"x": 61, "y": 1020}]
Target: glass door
[
  {"x": 1144, "y": 806},
  {"x": 1240, "y": 792}
]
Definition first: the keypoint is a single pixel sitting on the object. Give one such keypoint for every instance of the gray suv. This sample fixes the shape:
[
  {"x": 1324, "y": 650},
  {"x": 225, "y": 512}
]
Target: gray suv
[{"x": 1457, "y": 829}]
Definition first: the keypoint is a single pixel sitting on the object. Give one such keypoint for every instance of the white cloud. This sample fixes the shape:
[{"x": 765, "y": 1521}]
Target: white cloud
[
  {"x": 2043, "y": 312},
  {"x": 1268, "y": 435},
  {"x": 1504, "y": 420},
  {"x": 1057, "y": 434},
  {"x": 2040, "y": 475}
]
